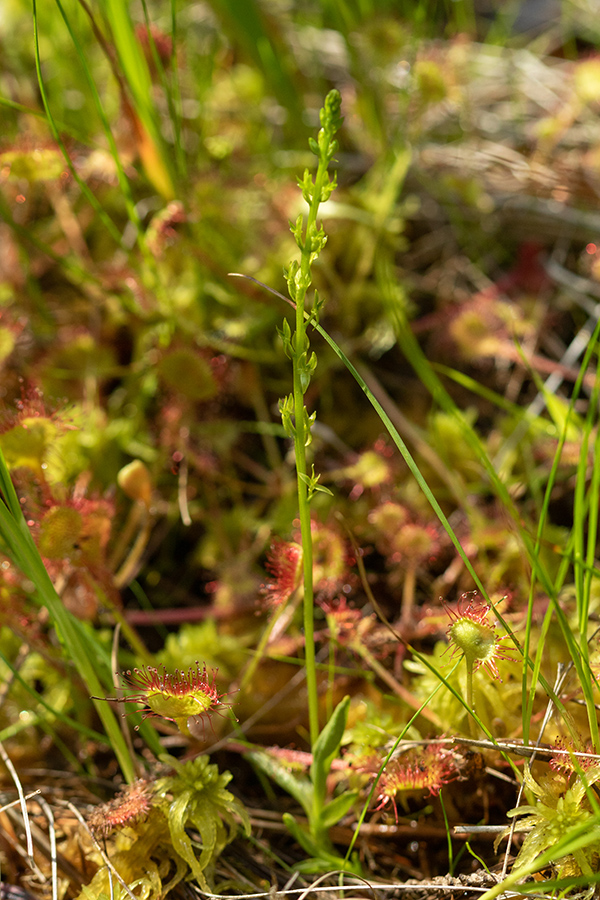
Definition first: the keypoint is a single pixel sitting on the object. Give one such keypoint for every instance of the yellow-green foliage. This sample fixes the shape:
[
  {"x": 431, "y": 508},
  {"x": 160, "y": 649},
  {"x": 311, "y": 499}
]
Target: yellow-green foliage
[
  {"x": 560, "y": 809},
  {"x": 205, "y": 641},
  {"x": 144, "y": 850},
  {"x": 498, "y": 703},
  {"x": 199, "y": 799},
  {"x": 143, "y": 855}
]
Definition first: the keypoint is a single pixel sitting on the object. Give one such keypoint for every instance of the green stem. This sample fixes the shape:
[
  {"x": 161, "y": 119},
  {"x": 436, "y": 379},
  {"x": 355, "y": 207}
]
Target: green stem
[
  {"x": 301, "y": 438},
  {"x": 305, "y": 527},
  {"x": 310, "y": 240},
  {"x": 260, "y": 652},
  {"x": 470, "y": 685},
  {"x": 408, "y": 595},
  {"x": 470, "y": 701}
]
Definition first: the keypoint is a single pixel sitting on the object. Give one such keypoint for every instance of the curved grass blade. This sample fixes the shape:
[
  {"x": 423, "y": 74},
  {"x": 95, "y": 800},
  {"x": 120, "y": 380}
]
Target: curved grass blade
[
  {"x": 135, "y": 69},
  {"x": 247, "y": 24},
  {"x": 104, "y": 217},
  {"x": 415, "y": 471},
  {"x": 78, "y": 642},
  {"x": 123, "y": 181}
]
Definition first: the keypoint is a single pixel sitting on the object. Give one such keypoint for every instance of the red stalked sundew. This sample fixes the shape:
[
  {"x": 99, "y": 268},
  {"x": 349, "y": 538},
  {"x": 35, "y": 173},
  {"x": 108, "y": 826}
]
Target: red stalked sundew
[
  {"x": 176, "y": 697},
  {"x": 424, "y": 769},
  {"x": 163, "y": 44},
  {"x": 343, "y": 621},
  {"x": 332, "y": 560},
  {"x": 387, "y": 519},
  {"x": 127, "y": 807},
  {"x": 414, "y": 545},
  {"x": 400, "y": 535},
  {"x": 284, "y": 565},
  {"x": 409, "y": 545},
  {"x": 472, "y": 634},
  {"x": 567, "y": 758},
  {"x": 371, "y": 470},
  {"x": 162, "y": 228}
]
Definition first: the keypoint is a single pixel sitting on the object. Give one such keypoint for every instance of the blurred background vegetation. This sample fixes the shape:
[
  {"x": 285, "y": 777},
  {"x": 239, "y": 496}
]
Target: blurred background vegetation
[{"x": 150, "y": 149}]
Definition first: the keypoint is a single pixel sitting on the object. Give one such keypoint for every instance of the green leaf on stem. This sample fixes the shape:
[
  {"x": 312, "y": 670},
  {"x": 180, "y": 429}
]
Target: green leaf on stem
[
  {"x": 335, "y": 810},
  {"x": 327, "y": 746}
]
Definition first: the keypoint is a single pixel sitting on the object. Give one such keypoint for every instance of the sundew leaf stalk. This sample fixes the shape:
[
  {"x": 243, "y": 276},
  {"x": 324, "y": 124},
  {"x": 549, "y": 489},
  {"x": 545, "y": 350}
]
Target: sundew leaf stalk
[{"x": 310, "y": 238}]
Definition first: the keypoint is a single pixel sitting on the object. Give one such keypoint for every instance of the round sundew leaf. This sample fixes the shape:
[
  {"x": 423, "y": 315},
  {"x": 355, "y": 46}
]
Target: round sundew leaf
[
  {"x": 34, "y": 165},
  {"x": 7, "y": 343},
  {"x": 188, "y": 374},
  {"x": 26, "y": 444},
  {"x": 59, "y": 532},
  {"x": 174, "y": 707}
]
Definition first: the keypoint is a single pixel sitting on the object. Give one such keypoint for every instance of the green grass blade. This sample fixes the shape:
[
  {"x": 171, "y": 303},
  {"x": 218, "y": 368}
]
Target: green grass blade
[
  {"x": 415, "y": 471},
  {"x": 18, "y": 107},
  {"x": 66, "y": 720},
  {"x": 78, "y": 643},
  {"x": 578, "y": 655},
  {"x": 420, "y": 364},
  {"x": 41, "y": 114},
  {"x": 170, "y": 86},
  {"x": 585, "y": 515},
  {"x": 111, "y": 227},
  {"x": 406, "y": 455},
  {"x": 123, "y": 181},
  {"x": 135, "y": 69},
  {"x": 246, "y": 24}
]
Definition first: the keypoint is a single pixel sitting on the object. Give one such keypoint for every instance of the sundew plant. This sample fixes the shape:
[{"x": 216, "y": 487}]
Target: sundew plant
[{"x": 299, "y": 461}]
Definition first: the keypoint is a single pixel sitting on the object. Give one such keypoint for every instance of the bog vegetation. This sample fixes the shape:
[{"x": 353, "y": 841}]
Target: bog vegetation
[{"x": 300, "y": 467}]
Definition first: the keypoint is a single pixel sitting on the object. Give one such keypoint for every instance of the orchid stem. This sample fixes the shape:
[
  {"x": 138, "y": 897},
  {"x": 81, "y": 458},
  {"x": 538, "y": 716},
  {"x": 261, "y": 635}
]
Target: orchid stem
[{"x": 296, "y": 420}]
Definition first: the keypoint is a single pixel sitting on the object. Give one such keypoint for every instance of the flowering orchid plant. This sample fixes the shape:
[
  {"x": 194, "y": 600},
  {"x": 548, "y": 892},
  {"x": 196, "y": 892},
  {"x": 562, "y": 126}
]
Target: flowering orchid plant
[{"x": 168, "y": 826}]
